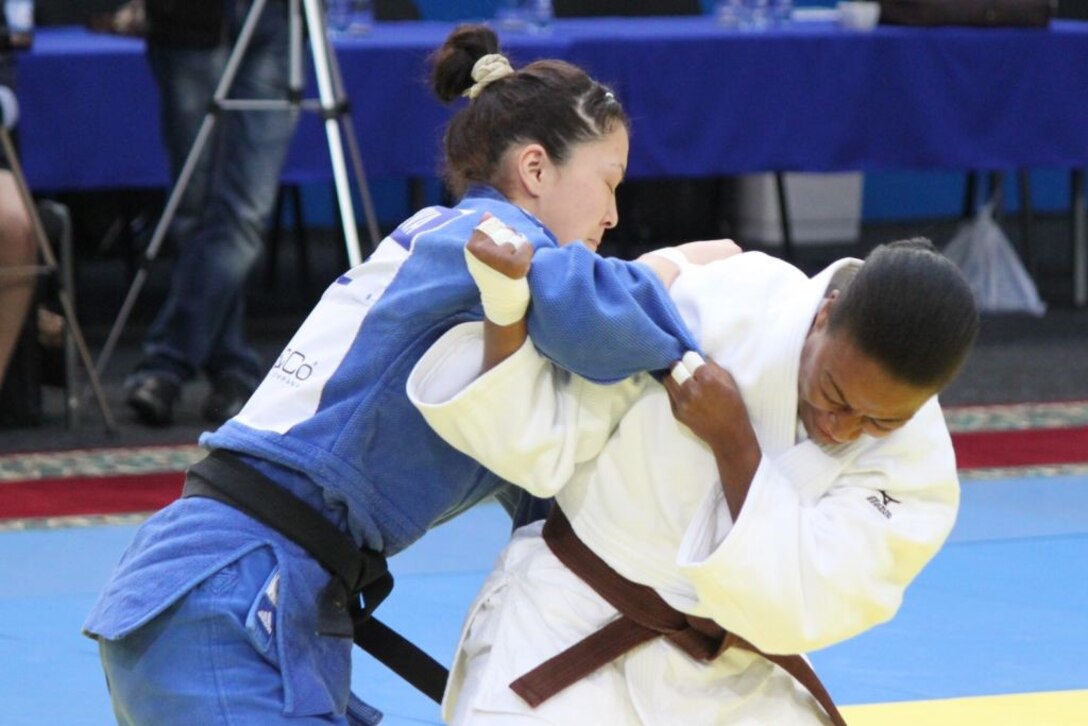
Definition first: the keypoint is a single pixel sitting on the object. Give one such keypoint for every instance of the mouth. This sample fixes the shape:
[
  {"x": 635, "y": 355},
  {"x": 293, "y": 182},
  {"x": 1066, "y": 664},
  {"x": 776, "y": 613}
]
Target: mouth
[
  {"x": 823, "y": 437},
  {"x": 816, "y": 432}
]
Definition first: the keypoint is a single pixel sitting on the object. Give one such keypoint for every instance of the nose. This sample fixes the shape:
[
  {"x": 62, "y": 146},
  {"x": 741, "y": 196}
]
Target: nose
[
  {"x": 612, "y": 214},
  {"x": 844, "y": 427}
]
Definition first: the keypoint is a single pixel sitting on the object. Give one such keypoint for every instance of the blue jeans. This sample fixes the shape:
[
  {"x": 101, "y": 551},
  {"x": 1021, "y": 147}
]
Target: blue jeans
[
  {"x": 209, "y": 659},
  {"x": 221, "y": 221}
]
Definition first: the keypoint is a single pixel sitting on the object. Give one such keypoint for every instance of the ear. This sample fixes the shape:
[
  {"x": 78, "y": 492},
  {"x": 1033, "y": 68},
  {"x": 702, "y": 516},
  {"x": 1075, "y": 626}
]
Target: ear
[
  {"x": 824, "y": 313},
  {"x": 531, "y": 163}
]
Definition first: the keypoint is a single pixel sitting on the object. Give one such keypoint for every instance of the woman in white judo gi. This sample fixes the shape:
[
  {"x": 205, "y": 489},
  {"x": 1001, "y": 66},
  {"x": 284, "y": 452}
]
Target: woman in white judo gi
[{"x": 810, "y": 479}]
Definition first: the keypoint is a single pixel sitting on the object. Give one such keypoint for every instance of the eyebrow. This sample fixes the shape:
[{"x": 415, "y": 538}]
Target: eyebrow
[
  {"x": 838, "y": 391},
  {"x": 842, "y": 397}
]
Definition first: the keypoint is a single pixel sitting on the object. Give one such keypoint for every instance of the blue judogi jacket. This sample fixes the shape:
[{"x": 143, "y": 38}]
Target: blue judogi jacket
[{"x": 332, "y": 423}]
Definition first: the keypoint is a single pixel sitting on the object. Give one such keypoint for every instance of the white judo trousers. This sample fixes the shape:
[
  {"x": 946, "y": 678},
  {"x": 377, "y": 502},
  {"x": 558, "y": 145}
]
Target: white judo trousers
[
  {"x": 531, "y": 606},
  {"x": 826, "y": 543}
]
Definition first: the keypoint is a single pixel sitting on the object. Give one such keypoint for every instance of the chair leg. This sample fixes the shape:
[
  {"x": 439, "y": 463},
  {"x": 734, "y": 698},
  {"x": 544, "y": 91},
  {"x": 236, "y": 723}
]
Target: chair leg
[
  {"x": 64, "y": 271},
  {"x": 970, "y": 194},
  {"x": 995, "y": 183},
  {"x": 784, "y": 215},
  {"x": 1023, "y": 180},
  {"x": 1079, "y": 239},
  {"x": 73, "y": 388}
]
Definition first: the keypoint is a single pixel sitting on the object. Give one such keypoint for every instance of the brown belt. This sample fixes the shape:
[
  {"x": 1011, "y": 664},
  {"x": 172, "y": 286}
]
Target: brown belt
[{"x": 644, "y": 615}]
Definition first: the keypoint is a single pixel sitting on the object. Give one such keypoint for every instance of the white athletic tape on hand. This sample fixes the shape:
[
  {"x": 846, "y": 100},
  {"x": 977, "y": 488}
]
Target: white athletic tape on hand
[
  {"x": 680, "y": 373},
  {"x": 501, "y": 234},
  {"x": 505, "y": 299},
  {"x": 693, "y": 361},
  {"x": 689, "y": 363}
]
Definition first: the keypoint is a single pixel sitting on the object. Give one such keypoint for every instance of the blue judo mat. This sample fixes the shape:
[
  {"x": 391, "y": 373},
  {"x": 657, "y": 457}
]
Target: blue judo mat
[{"x": 1002, "y": 609}]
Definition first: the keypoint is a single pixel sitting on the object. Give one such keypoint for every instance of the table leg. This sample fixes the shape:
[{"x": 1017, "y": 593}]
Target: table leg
[
  {"x": 784, "y": 215},
  {"x": 1079, "y": 240}
]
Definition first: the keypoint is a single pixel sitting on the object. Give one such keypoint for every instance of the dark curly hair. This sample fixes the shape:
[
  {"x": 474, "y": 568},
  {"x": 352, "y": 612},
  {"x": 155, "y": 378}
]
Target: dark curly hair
[{"x": 910, "y": 308}]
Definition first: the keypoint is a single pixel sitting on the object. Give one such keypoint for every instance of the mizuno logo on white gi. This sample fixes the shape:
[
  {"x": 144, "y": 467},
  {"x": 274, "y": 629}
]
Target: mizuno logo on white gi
[{"x": 881, "y": 503}]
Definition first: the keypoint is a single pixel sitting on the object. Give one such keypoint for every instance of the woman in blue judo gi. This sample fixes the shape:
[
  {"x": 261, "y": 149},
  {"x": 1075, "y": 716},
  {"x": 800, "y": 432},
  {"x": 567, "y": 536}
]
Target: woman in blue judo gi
[{"x": 223, "y": 610}]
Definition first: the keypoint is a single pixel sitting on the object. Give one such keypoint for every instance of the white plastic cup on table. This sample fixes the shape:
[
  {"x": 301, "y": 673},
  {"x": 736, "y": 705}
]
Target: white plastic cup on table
[
  {"x": 858, "y": 14},
  {"x": 539, "y": 14},
  {"x": 781, "y": 11},
  {"x": 348, "y": 18},
  {"x": 533, "y": 16},
  {"x": 19, "y": 15},
  {"x": 510, "y": 15},
  {"x": 729, "y": 13},
  {"x": 758, "y": 15}
]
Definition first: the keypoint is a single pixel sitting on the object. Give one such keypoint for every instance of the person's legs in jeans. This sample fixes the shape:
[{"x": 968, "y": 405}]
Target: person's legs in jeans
[
  {"x": 201, "y": 324},
  {"x": 244, "y": 196}
]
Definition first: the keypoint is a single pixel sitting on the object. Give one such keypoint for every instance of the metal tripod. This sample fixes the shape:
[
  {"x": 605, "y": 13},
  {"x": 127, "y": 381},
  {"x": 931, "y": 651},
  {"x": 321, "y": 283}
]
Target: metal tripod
[
  {"x": 64, "y": 294},
  {"x": 331, "y": 104}
]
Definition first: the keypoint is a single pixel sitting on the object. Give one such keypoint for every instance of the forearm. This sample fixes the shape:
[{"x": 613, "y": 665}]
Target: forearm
[
  {"x": 665, "y": 267},
  {"x": 705, "y": 398},
  {"x": 602, "y": 318},
  {"x": 502, "y": 341},
  {"x": 736, "y": 470},
  {"x": 800, "y": 571},
  {"x": 669, "y": 262}
]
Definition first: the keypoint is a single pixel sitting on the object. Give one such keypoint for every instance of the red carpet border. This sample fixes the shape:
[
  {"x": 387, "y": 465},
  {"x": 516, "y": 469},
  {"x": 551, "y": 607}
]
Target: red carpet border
[
  {"x": 93, "y": 486},
  {"x": 106, "y": 486},
  {"x": 1040, "y": 439}
]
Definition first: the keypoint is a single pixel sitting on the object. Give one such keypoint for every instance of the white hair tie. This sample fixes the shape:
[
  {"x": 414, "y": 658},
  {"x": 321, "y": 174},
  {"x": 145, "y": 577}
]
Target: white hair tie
[{"x": 487, "y": 70}]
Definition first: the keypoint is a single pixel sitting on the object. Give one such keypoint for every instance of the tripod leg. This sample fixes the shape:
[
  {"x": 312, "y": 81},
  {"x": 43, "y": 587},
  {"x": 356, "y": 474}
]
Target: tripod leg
[
  {"x": 353, "y": 148},
  {"x": 331, "y": 107},
  {"x": 51, "y": 260},
  {"x": 360, "y": 177},
  {"x": 184, "y": 177}
]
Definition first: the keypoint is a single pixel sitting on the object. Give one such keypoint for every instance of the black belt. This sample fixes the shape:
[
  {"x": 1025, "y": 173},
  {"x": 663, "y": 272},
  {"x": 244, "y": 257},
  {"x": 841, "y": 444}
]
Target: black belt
[{"x": 361, "y": 573}]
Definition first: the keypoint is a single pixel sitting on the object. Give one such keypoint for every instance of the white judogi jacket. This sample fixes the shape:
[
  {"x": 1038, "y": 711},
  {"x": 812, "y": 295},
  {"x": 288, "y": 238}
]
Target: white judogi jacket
[{"x": 826, "y": 542}]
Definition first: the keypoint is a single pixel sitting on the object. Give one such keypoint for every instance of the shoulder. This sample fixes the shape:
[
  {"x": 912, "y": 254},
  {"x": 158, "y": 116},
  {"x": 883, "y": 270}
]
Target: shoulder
[
  {"x": 744, "y": 276},
  {"x": 734, "y": 292},
  {"x": 918, "y": 459}
]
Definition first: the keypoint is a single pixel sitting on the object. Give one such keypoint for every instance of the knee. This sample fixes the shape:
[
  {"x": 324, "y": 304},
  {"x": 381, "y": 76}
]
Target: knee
[{"x": 16, "y": 239}]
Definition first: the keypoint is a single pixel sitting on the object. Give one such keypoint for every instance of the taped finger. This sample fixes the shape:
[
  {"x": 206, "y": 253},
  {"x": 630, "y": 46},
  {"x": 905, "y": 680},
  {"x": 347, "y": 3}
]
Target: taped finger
[
  {"x": 500, "y": 233},
  {"x": 693, "y": 361},
  {"x": 680, "y": 373}
]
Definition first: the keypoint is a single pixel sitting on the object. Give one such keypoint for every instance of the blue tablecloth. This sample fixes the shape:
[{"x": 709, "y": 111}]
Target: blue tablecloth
[{"x": 704, "y": 100}]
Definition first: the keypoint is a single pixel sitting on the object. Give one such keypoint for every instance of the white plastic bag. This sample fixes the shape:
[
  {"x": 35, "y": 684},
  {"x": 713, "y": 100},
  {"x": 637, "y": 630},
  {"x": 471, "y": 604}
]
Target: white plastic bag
[{"x": 992, "y": 268}]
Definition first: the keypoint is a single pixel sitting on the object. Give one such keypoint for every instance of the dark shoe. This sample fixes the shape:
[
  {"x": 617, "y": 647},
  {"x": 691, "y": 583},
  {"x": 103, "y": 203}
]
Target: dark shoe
[
  {"x": 228, "y": 395},
  {"x": 153, "y": 399}
]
